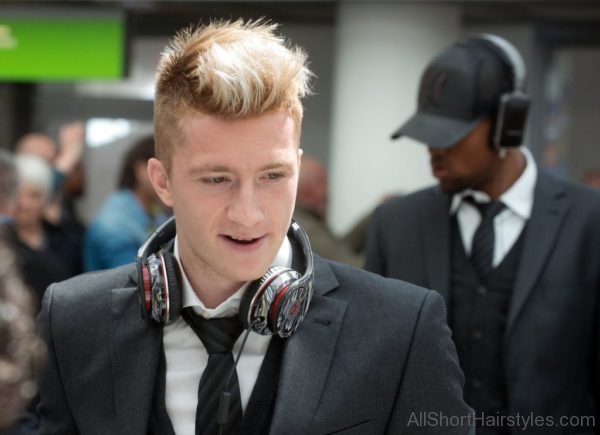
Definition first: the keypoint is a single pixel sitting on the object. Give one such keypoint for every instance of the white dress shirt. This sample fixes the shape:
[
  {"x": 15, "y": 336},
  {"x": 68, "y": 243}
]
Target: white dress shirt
[
  {"x": 186, "y": 356},
  {"x": 509, "y": 223}
]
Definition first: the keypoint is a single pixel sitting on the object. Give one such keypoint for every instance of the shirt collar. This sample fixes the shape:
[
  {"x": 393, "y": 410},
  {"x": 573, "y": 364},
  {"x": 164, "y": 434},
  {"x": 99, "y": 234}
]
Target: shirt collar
[
  {"x": 231, "y": 305},
  {"x": 517, "y": 198}
]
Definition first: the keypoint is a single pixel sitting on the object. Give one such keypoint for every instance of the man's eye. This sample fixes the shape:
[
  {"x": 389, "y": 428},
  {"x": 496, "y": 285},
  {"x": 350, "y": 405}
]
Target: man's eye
[
  {"x": 275, "y": 175},
  {"x": 214, "y": 180}
]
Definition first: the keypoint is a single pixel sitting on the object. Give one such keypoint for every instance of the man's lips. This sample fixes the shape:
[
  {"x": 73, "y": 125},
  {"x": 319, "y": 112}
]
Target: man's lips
[
  {"x": 243, "y": 241},
  {"x": 439, "y": 170}
]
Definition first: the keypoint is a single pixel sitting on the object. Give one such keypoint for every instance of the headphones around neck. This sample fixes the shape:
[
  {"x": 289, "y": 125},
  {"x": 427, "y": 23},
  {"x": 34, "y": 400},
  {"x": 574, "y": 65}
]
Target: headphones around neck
[
  {"x": 276, "y": 303},
  {"x": 511, "y": 117}
]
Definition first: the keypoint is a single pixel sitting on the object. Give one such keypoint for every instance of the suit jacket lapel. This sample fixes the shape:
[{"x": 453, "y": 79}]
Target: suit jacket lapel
[
  {"x": 135, "y": 346},
  {"x": 549, "y": 209},
  {"x": 307, "y": 357},
  {"x": 436, "y": 227}
]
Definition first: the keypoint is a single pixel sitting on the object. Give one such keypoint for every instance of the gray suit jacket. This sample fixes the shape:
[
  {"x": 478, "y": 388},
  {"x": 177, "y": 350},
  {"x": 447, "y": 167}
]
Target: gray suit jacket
[
  {"x": 373, "y": 356},
  {"x": 551, "y": 343}
]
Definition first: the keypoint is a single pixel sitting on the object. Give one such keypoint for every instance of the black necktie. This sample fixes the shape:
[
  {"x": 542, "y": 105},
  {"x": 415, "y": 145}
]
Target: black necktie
[
  {"x": 218, "y": 336},
  {"x": 482, "y": 249}
]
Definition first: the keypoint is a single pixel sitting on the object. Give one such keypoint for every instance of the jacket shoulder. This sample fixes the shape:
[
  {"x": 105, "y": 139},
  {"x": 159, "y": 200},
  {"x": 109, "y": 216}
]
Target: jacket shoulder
[
  {"x": 93, "y": 285},
  {"x": 584, "y": 198},
  {"x": 366, "y": 289}
]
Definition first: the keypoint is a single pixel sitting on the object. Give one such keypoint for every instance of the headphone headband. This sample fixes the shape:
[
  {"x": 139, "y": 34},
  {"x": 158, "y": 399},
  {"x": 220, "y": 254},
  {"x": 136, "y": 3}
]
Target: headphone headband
[
  {"x": 301, "y": 239},
  {"x": 509, "y": 123},
  {"x": 510, "y": 55},
  {"x": 154, "y": 243}
]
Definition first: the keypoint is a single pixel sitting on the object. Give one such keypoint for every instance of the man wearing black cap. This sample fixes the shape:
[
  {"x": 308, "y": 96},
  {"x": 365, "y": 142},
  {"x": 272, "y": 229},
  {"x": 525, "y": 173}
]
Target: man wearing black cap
[{"x": 514, "y": 251}]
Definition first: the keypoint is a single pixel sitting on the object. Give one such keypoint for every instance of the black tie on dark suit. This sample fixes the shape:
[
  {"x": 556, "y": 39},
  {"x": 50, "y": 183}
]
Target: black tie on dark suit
[
  {"x": 482, "y": 249},
  {"x": 218, "y": 336}
]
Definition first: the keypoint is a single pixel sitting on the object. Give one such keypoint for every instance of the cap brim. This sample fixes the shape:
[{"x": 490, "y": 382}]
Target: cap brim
[{"x": 435, "y": 131}]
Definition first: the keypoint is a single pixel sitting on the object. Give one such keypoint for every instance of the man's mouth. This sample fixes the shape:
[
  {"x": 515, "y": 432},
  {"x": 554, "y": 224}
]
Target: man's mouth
[
  {"x": 243, "y": 241},
  {"x": 437, "y": 161},
  {"x": 439, "y": 170}
]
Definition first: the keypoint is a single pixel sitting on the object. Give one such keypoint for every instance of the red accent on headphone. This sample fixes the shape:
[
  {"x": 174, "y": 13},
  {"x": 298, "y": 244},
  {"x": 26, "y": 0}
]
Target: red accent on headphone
[
  {"x": 147, "y": 292},
  {"x": 275, "y": 303},
  {"x": 264, "y": 285}
]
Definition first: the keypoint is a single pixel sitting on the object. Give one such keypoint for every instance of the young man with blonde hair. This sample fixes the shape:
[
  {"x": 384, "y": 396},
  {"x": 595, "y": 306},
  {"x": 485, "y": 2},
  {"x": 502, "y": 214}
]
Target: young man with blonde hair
[{"x": 329, "y": 348}]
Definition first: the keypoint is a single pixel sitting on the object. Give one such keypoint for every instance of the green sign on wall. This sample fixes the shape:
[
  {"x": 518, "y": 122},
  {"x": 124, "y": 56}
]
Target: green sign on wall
[{"x": 61, "y": 49}]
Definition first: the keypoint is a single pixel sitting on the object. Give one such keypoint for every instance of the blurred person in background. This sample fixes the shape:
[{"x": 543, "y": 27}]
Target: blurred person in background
[
  {"x": 68, "y": 184},
  {"x": 9, "y": 181},
  {"x": 63, "y": 157},
  {"x": 20, "y": 347},
  {"x": 24, "y": 184},
  {"x": 127, "y": 216},
  {"x": 311, "y": 213},
  {"x": 592, "y": 178},
  {"x": 38, "y": 243},
  {"x": 515, "y": 251}
]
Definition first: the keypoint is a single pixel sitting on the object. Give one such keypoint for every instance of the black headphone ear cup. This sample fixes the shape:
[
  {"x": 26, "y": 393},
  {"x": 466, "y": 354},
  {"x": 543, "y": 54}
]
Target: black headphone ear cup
[
  {"x": 509, "y": 119},
  {"x": 151, "y": 276},
  {"x": 290, "y": 307},
  {"x": 259, "y": 303},
  {"x": 251, "y": 299},
  {"x": 172, "y": 285}
]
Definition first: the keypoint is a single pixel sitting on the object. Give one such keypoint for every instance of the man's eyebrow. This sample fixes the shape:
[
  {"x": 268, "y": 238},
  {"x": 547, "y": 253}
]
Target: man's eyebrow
[
  {"x": 202, "y": 169},
  {"x": 276, "y": 165},
  {"x": 208, "y": 168}
]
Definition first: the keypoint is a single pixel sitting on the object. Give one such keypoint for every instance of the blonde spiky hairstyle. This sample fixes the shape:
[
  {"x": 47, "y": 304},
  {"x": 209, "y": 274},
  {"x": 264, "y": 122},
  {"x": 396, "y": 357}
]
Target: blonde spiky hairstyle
[{"x": 227, "y": 69}]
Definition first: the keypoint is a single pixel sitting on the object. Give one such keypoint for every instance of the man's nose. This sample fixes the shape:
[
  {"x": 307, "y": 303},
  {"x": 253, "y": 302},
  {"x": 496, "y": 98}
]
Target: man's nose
[
  {"x": 435, "y": 151},
  {"x": 245, "y": 208}
]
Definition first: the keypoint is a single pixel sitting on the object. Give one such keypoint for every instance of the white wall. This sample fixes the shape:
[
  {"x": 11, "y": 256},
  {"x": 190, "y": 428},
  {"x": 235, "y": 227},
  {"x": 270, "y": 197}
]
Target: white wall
[
  {"x": 317, "y": 40},
  {"x": 583, "y": 93},
  {"x": 380, "y": 52}
]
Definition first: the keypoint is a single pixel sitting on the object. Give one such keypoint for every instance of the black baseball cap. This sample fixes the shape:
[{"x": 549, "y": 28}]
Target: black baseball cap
[{"x": 460, "y": 87}]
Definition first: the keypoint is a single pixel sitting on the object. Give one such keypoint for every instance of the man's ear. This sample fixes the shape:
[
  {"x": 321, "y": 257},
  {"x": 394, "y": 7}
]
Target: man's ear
[
  {"x": 300, "y": 154},
  {"x": 159, "y": 177}
]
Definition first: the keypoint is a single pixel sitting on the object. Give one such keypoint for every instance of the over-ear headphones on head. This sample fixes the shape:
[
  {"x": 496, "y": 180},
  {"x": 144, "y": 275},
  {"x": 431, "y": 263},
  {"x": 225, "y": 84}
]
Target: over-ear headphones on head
[
  {"x": 511, "y": 115},
  {"x": 276, "y": 303}
]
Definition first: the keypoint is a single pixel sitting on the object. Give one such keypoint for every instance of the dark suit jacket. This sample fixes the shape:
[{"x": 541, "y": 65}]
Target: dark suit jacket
[
  {"x": 372, "y": 356},
  {"x": 551, "y": 343}
]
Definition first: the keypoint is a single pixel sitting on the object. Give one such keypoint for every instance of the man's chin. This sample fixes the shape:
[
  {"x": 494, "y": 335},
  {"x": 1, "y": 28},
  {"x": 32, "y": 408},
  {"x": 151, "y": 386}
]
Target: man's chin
[
  {"x": 251, "y": 274},
  {"x": 451, "y": 187}
]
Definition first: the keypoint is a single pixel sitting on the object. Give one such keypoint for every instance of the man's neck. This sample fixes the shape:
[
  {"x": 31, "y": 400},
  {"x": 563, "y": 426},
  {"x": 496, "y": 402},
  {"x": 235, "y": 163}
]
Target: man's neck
[
  {"x": 216, "y": 294},
  {"x": 211, "y": 289},
  {"x": 510, "y": 167}
]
